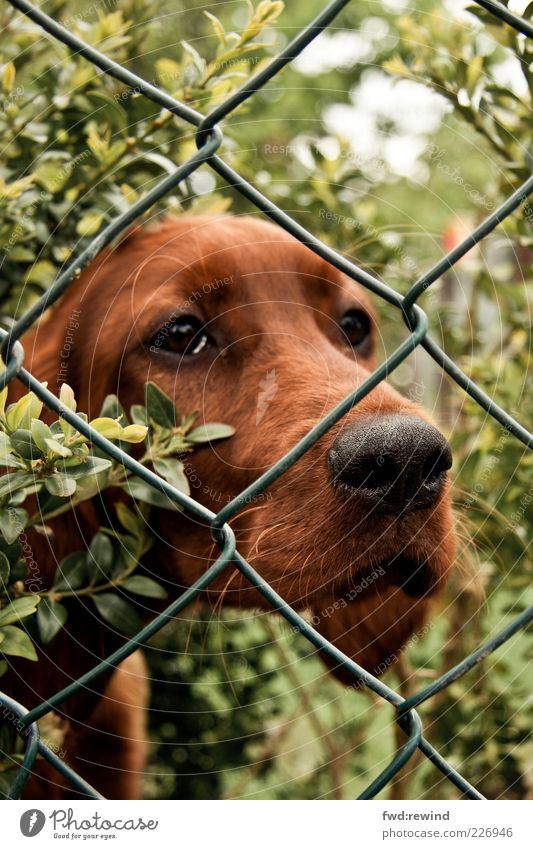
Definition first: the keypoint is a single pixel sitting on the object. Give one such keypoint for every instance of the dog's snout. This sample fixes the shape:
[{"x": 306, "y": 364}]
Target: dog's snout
[{"x": 395, "y": 463}]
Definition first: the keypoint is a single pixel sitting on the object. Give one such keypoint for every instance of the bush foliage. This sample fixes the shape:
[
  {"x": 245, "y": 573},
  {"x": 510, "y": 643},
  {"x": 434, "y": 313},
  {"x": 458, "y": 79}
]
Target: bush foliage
[{"x": 258, "y": 717}]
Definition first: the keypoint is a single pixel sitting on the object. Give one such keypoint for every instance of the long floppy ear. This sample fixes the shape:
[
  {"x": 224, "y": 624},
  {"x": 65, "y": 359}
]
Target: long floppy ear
[
  {"x": 371, "y": 631},
  {"x": 52, "y": 348}
]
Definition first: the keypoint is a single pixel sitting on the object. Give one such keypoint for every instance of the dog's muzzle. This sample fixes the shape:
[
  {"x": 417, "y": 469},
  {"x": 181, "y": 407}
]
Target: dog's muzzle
[{"x": 393, "y": 463}]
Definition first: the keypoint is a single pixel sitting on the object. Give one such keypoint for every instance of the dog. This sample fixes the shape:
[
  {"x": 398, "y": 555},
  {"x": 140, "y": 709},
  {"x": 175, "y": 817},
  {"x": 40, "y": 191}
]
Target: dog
[{"x": 233, "y": 317}]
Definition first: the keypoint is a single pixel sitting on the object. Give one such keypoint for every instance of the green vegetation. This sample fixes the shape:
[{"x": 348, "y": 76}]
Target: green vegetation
[{"x": 242, "y": 707}]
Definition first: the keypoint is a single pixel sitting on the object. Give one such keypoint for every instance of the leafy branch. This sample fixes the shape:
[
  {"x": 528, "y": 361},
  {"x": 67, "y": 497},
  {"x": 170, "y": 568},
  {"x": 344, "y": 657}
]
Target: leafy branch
[{"x": 61, "y": 468}]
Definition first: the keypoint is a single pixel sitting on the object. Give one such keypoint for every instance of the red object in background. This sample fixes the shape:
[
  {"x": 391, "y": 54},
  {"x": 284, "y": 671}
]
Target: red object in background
[{"x": 454, "y": 234}]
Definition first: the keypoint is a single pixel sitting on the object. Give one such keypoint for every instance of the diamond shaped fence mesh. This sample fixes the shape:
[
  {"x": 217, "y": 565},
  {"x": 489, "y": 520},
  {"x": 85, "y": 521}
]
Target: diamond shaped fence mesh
[{"x": 208, "y": 139}]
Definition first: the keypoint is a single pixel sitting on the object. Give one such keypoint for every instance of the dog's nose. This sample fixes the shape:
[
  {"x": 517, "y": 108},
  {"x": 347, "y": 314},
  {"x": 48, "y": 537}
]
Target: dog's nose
[{"x": 395, "y": 463}]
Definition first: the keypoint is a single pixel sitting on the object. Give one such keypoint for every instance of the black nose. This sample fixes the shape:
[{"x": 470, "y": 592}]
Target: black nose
[{"x": 395, "y": 463}]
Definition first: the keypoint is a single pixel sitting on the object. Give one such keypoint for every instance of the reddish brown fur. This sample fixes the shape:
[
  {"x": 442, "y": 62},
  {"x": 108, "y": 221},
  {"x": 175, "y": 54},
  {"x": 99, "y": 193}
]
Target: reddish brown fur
[{"x": 307, "y": 539}]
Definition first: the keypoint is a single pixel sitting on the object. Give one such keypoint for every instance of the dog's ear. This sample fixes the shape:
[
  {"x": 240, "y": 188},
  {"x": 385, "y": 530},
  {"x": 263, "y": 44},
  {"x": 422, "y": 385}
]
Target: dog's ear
[
  {"x": 371, "y": 632},
  {"x": 53, "y": 347}
]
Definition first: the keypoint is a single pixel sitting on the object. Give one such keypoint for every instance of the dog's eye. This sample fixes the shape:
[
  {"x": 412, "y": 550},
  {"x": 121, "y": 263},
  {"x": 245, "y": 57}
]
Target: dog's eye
[
  {"x": 186, "y": 335},
  {"x": 355, "y": 326}
]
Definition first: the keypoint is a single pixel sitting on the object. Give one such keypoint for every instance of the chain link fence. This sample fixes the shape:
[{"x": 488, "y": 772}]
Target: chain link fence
[{"x": 209, "y": 138}]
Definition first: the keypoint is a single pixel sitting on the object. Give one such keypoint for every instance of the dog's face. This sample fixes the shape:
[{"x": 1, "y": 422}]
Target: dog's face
[{"x": 234, "y": 318}]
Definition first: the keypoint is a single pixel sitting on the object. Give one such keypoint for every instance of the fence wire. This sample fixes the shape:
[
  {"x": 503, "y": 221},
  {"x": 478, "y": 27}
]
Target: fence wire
[{"x": 208, "y": 139}]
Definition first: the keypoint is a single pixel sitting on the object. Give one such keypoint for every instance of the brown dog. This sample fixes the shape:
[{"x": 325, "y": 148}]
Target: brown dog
[{"x": 236, "y": 319}]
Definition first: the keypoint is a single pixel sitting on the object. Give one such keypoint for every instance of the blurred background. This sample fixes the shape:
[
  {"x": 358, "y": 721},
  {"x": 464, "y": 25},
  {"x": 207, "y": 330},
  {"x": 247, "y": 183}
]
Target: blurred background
[{"x": 394, "y": 134}]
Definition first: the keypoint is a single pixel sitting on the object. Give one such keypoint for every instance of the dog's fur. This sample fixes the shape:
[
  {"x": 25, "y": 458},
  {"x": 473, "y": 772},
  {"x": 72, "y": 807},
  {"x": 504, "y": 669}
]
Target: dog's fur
[{"x": 273, "y": 318}]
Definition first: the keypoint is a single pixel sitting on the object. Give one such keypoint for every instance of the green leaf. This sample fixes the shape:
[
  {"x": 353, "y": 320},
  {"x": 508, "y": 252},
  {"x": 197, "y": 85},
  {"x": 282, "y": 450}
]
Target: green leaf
[
  {"x": 111, "y": 429},
  {"x": 111, "y": 106},
  {"x": 18, "y": 609},
  {"x": 188, "y": 420},
  {"x": 12, "y": 552},
  {"x": 51, "y": 175},
  {"x": 20, "y": 254},
  {"x": 113, "y": 409},
  {"x": 134, "y": 433},
  {"x": 11, "y": 462},
  {"x": 16, "y": 642},
  {"x": 60, "y": 485},
  {"x": 3, "y": 398},
  {"x": 8, "y": 77},
  {"x": 66, "y": 397},
  {"x": 40, "y": 433},
  {"x": 12, "y": 523},
  {"x": 80, "y": 452},
  {"x": 100, "y": 559},
  {"x": 41, "y": 273},
  {"x": 141, "y": 491},
  {"x": 172, "y": 471},
  {"x": 89, "y": 224},
  {"x": 138, "y": 414},
  {"x": 218, "y": 27},
  {"x": 51, "y": 616},
  {"x": 160, "y": 407},
  {"x": 87, "y": 487},
  {"x": 56, "y": 448},
  {"x": 71, "y": 573},
  {"x": 133, "y": 522},
  {"x": 197, "y": 60},
  {"x": 25, "y": 446},
  {"x": 13, "y": 481},
  {"x": 5, "y": 571},
  {"x": 210, "y": 432},
  {"x": 107, "y": 427},
  {"x": 118, "y": 612},
  {"x": 5, "y": 444},
  {"x": 90, "y": 466},
  {"x": 8, "y": 458},
  {"x": 127, "y": 553},
  {"x": 19, "y": 571},
  {"x": 141, "y": 585},
  {"x": 19, "y": 415}
]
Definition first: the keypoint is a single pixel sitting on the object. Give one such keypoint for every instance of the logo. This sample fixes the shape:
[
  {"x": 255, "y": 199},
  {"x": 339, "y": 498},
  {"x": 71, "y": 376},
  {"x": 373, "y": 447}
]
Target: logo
[
  {"x": 268, "y": 390},
  {"x": 32, "y": 822}
]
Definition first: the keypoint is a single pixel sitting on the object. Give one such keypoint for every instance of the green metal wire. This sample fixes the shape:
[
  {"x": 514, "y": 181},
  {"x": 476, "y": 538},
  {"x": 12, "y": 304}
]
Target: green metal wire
[
  {"x": 209, "y": 139},
  {"x": 32, "y": 744}
]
